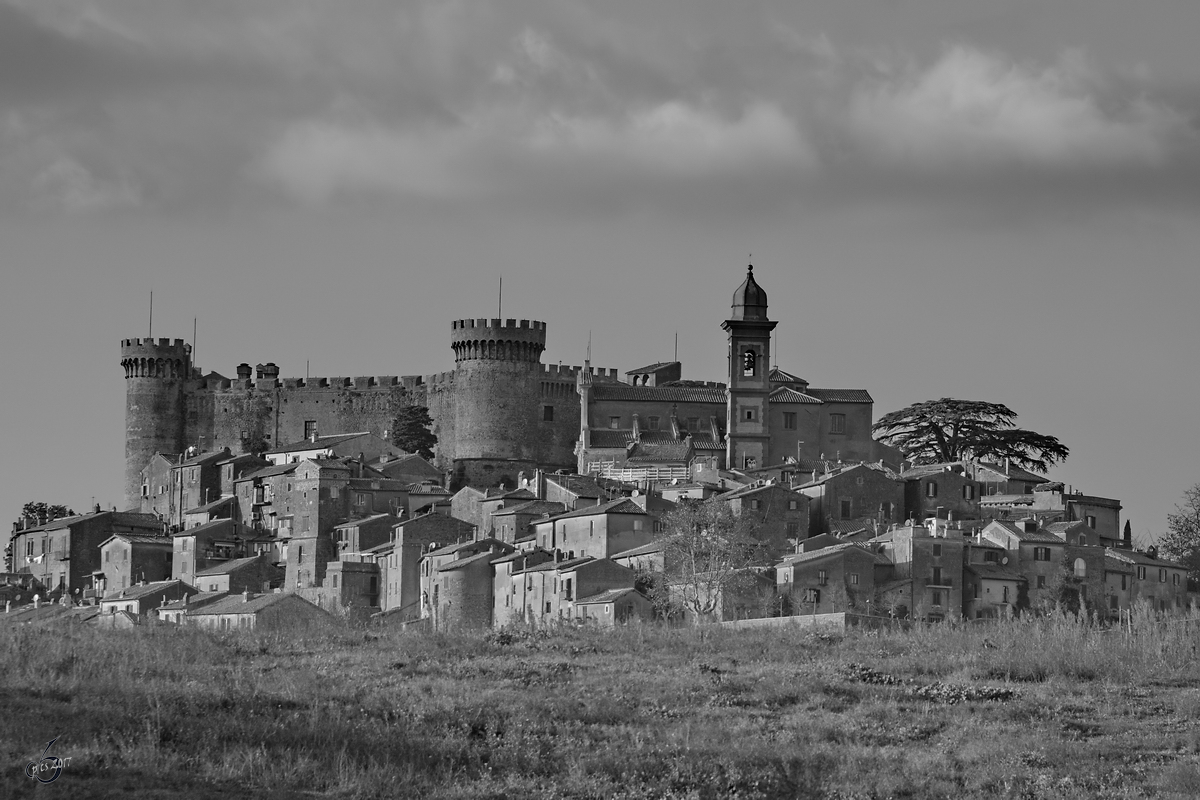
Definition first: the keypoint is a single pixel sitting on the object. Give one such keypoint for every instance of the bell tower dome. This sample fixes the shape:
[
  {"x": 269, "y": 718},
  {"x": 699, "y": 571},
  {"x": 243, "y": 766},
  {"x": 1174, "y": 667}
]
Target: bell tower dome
[{"x": 747, "y": 411}]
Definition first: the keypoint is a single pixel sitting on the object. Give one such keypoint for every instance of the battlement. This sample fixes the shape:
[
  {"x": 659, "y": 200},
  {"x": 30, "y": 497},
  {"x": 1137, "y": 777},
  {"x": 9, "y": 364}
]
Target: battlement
[
  {"x": 156, "y": 358},
  {"x": 564, "y": 372},
  {"x": 494, "y": 340}
]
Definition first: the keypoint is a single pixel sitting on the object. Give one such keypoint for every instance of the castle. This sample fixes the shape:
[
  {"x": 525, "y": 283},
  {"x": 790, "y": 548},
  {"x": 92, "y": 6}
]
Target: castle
[{"x": 500, "y": 411}]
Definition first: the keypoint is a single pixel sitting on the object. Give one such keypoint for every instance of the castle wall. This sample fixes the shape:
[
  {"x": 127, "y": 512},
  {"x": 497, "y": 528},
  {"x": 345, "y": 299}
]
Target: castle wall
[{"x": 155, "y": 373}]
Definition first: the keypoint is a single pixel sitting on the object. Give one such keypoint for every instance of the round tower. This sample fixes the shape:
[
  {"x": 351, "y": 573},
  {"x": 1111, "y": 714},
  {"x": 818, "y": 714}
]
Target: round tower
[
  {"x": 497, "y": 387},
  {"x": 155, "y": 372}
]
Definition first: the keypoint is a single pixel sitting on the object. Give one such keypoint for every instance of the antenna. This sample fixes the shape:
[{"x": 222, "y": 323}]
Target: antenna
[
  {"x": 589, "y": 350},
  {"x": 676, "y": 346},
  {"x": 194, "y": 324},
  {"x": 500, "y": 300},
  {"x": 151, "y": 333}
]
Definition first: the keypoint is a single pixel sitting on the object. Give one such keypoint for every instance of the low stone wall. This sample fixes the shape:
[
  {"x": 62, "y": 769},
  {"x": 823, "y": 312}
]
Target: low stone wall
[{"x": 836, "y": 621}]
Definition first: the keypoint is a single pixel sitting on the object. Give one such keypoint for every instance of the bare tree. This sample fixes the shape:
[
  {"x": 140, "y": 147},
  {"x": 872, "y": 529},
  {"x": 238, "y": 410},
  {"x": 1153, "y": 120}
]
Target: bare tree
[{"x": 710, "y": 554}]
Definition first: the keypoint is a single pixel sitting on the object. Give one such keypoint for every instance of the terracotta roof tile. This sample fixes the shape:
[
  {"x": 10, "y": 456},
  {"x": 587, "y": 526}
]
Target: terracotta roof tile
[
  {"x": 662, "y": 394},
  {"x": 840, "y": 395}
]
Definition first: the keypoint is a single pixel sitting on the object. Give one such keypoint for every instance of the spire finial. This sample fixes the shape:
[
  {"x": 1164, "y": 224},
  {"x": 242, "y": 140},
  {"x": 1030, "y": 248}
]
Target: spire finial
[{"x": 750, "y": 267}]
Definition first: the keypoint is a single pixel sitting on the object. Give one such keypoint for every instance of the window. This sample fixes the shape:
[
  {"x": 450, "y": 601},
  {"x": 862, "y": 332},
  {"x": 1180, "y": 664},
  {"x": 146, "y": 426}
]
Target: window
[
  {"x": 822, "y": 577},
  {"x": 854, "y": 579},
  {"x": 968, "y": 492},
  {"x": 547, "y": 606},
  {"x": 652, "y": 423},
  {"x": 1175, "y": 579},
  {"x": 310, "y": 428},
  {"x": 1141, "y": 573},
  {"x": 145, "y": 490},
  {"x": 1091, "y": 521},
  {"x": 185, "y": 545},
  {"x": 937, "y": 597},
  {"x": 749, "y": 363},
  {"x": 693, "y": 424},
  {"x": 793, "y": 505},
  {"x": 793, "y": 530},
  {"x": 548, "y": 413},
  {"x": 1162, "y": 576},
  {"x": 749, "y": 415},
  {"x": 1041, "y": 581},
  {"x": 614, "y": 423},
  {"x": 1041, "y": 554},
  {"x": 789, "y": 420},
  {"x": 991, "y": 557},
  {"x": 245, "y": 435},
  {"x": 1124, "y": 583},
  {"x": 1005, "y": 594},
  {"x": 360, "y": 498},
  {"x": 846, "y": 508},
  {"x": 837, "y": 423},
  {"x": 334, "y": 576},
  {"x": 937, "y": 550},
  {"x": 756, "y": 504},
  {"x": 931, "y": 488},
  {"x": 812, "y": 596},
  {"x": 937, "y": 577},
  {"x": 1080, "y": 568}
]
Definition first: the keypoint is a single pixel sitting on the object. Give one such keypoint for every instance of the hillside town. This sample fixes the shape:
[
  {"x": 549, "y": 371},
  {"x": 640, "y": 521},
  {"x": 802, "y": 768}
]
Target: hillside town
[{"x": 554, "y": 496}]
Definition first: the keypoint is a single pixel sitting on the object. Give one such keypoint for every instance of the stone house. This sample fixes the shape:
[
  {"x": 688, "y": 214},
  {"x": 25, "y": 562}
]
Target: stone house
[
  {"x": 583, "y": 577},
  {"x": 197, "y": 549},
  {"x": 940, "y": 490},
  {"x": 222, "y": 508},
  {"x": 861, "y": 494},
  {"x": 363, "y": 444},
  {"x": 407, "y": 469},
  {"x": 195, "y": 481},
  {"x": 1161, "y": 583},
  {"x": 411, "y": 539},
  {"x": 255, "y": 574},
  {"x": 247, "y": 611},
  {"x": 156, "y": 496},
  {"x": 1002, "y": 479},
  {"x": 509, "y": 603},
  {"x": 143, "y": 598},
  {"x": 175, "y": 611},
  {"x": 62, "y": 555},
  {"x": 613, "y": 607},
  {"x": 992, "y": 583},
  {"x": 359, "y": 535},
  {"x": 127, "y": 559},
  {"x": 460, "y": 595},
  {"x": 646, "y": 558},
  {"x": 782, "y": 514},
  {"x": 840, "y": 577},
  {"x": 931, "y": 557},
  {"x": 516, "y": 522},
  {"x": 596, "y": 531},
  {"x": 423, "y": 497},
  {"x": 476, "y": 506}
]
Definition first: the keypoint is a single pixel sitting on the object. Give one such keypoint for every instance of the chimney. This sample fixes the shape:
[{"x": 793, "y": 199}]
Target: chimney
[
  {"x": 313, "y": 436},
  {"x": 246, "y": 596}
]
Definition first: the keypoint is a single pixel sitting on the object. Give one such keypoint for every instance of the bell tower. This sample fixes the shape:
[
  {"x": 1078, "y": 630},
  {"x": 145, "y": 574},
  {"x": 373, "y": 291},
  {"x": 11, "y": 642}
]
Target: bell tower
[{"x": 747, "y": 419}]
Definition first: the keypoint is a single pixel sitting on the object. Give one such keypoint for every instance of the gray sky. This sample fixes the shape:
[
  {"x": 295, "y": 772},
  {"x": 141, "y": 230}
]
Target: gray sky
[{"x": 985, "y": 200}]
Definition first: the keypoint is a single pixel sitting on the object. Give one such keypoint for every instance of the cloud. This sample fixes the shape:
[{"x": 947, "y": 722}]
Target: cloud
[
  {"x": 68, "y": 185},
  {"x": 976, "y": 110}
]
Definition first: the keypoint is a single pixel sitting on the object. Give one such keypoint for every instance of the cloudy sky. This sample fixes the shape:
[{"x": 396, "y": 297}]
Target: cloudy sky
[{"x": 986, "y": 200}]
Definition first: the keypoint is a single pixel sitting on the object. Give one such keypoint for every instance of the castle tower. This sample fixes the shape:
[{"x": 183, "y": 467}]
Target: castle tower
[
  {"x": 155, "y": 372},
  {"x": 747, "y": 421},
  {"x": 497, "y": 385}
]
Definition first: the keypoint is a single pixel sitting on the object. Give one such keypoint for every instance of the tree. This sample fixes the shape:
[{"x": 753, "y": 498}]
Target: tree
[
  {"x": 411, "y": 431},
  {"x": 44, "y": 512},
  {"x": 710, "y": 555},
  {"x": 1181, "y": 542},
  {"x": 938, "y": 431}
]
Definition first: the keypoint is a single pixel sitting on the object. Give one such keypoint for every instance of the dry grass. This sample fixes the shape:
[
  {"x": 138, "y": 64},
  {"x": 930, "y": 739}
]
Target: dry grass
[{"x": 1076, "y": 711}]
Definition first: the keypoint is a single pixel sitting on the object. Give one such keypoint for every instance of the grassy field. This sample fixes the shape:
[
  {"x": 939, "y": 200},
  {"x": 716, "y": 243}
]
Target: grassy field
[{"x": 1049, "y": 709}]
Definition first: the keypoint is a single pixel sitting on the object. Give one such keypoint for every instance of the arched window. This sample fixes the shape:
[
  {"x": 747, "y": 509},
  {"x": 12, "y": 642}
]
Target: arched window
[
  {"x": 749, "y": 363},
  {"x": 1080, "y": 568}
]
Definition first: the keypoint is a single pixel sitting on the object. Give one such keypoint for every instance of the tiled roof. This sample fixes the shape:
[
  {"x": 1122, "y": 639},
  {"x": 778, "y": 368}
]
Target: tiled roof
[
  {"x": 486, "y": 555},
  {"x": 1014, "y": 473},
  {"x": 842, "y": 469},
  {"x": 622, "y": 505},
  {"x": 579, "y": 485},
  {"x": 227, "y": 567},
  {"x": 267, "y": 472},
  {"x": 652, "y": 367},
  {"x": 216, "y": 527},
  {"x": 778, "y": 375},
  {"x": 1141, "y": 559},
  {"x": 657, "y": 453},
  {"x": 215, "y": 504},
  {"x": 1018, "y": 531},
  {"x": 428, "y": 489},
  {"x": 354, "y": 523},
  {"x": 995, "y": 573},
  {"x": 644, "y": 550},
  {"x": 194, "y": 601},
  {"x": 204, "y": 458},
  {"x": 130, "y": 518},
  {"x": 537, "y": 507},
  {"x": 786, "y": 394},
  {"x": 238, "y": 604},
  {"x": 813, "y": 555},
  {"x": 840, "y": 395},
  {"x": 1006, "y": 500},
  {"x": 1062, "y": 527},
  {"x": 574, "y": 563},
  {"x": 924, "y": 470},
  {"x": 135, "y": 538},
  {"x": 516, "y": 555},
  {"x": 662, "y": 394},
  {"x": 135, "y": 592},
  {"x": 611, "y": 438},
  {"x": 605, "y": 597},
  {"x": 321, "y": 443}
]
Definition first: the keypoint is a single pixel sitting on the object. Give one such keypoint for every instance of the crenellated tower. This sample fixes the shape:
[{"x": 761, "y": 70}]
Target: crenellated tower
[
  {"x": 497, "y": 389},
  {"x": 155, "y": 373}
]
